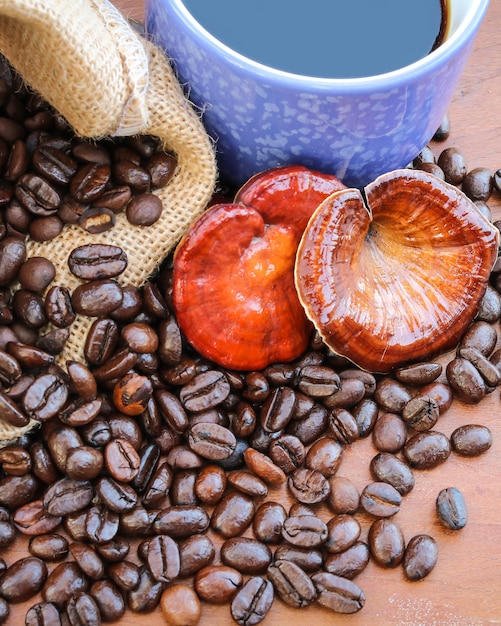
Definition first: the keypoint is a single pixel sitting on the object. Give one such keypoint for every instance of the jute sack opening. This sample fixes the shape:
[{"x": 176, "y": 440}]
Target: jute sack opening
[{"x": 85, "y": 59}]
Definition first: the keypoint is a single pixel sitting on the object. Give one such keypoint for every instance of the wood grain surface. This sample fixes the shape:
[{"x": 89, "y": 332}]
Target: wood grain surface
[{"x": 465, "y": 587}]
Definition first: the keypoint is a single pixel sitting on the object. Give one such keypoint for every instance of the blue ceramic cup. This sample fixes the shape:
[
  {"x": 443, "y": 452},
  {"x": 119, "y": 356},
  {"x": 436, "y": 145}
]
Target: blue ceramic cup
[{"x": 356, "y": 128}]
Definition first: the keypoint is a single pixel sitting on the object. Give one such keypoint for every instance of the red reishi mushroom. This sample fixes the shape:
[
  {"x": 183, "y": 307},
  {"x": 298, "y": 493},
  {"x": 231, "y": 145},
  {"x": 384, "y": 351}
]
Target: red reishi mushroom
[
  {"x": 397, "y": 280},
  {"x": 233, "y": 274}
]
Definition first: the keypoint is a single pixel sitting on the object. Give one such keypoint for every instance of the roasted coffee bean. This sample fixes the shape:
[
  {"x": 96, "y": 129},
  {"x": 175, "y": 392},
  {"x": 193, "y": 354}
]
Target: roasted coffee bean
[
  {"x": 163, "y": 558},
  {"x": 23, "y": 579},
  {"x": 278, "y": 409},
  {"x": 116, "y": 496},
  {"x": 128, "y": 173},
  {"x": 210, "y": 484},
  {"x": 488, "y": 370},
  {"x": 148, "y": 461},
  {"x": 380, "y": 499},
  {"x": 15, "y": 491},
  {"x": 288, "y": 452},
  {"x": 342, "y": 532},
  {"x": 338, "y": 594},
  {"x": 264, "y": 467},
  {"x": 42, "y": 463},
  {"x": 343, "y": 426},
  {"x": 205, "y": 390},
  {"x": 172, "y": 409},
  {"x": 490, "y": 306},
  {"x": 97, "y": 298},
  {"x": 45, "y": 228},
  {"x": 161, "y": 167},
  {"x": 125, "y": 574},
  {"x": 15, "y": 460},
  {"x": 386, "y": 543},
  {"x": 88, "y": 560},
  {"x": 481, "y": 336},
  {"x": 114, "y": 199},
  {"x": 89, "y": 182},
  {"x": 391, "y": 395},
  {"x": 51, "y": 547},
  {"x": 324, "y": 456},
  {"x": 29, "y": 356},
  {"x": 97, "y": 261},
  {"x": 181, "y": 520},
  {"x": 309, "y": 559},
  {"x": 33, "y": 519},
  {"x": 67, "y": 496},
  {"x": 37, "y": 195},
  {"x": 101, "y": 525},
  {"x": 252, "y": 601},
  {"x": 318, "y": 381},
  {"x": 232, "y": 515},
  {"x": 101, "y": 341},
  {"x": 453, "y": 164},
  {"x": 82, "y": 379},
  {"x": 418, "y": 373},
  {"x": 11, "y": 412},
  {"x": 389, "y": 433},
  {"x": 440, "y": 392},
  {"x": 308, "y": 486},
  {"x": 292, "y": 585},
  {"x": 247, "y": 555},
  {"x": 45, "y": 397},
  {"x": 256, "y": 387},
  {"x": 268, "y": 522},
  {"x": 388, "y": 468},
  {"x": 211, "y": 441},
  {"x": 471, "y": 439},
  {"x": 195, "y": 553},
  {"x": 312, "y": 426},
  {"x": 140, "y": 337},
  {"x": 7, "y": 534},
  {"x": 61, "y": 440},
  {"x": 122, "y": 460},
  {"x": 365, "y": 414},
  {"x": 217, "y": 584},
  {"x": 420, "y": 557},
  {"x": 158, "y": 485},
  {"x": 349, "y": 563},
  {"x": 12, "y": 257},
  {"x": 183, "y": 458},
  {"x": 97, "y": 220},
  {"x": 116, "y": 367},
  {"x": 248, "y": 483},
  {"x": 114, "y": 551},
  {"x": 36, "y": 273},
  {"x": 351, "y": 391},
  {"x": 82, "y": 609},
  {"x": 242, "y": 420},
  {"x": 43, "y": 614},
  {"x": 427, "y": 450},
  {"x": 144, "y": 209},
  {"x": 53, "y": 164},
  {"x": 344, "y": 496},
  {"x": 58, "y": 307},
  {"x": 304, "y": 531},
  {"x": 29, "y": 307},
  {"x": 451, "y": 508},
  {"x": 180, "y": 605},
  {"x": 109, "y": 600},
  {"x": 421, "y": 413},
  {"x": 81, "y": 412},
  {"x": 10, "y": 369},
  {"x": 478, "y": 184},
  {"x": 146, "y": 596}
]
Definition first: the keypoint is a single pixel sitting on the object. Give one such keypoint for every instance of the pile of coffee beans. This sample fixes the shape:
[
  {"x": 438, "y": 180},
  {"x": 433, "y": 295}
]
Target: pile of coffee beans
[{"x": 148, "y": 481}]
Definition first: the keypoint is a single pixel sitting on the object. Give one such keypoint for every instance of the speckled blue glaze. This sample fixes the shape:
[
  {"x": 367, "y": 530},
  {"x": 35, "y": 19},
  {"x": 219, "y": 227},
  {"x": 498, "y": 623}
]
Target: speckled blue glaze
[{"x": 355, "y": 128}]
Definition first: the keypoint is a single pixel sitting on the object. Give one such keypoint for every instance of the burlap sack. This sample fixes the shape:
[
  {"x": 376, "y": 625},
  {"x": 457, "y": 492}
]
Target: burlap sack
[{"x": 106, "y": 80}]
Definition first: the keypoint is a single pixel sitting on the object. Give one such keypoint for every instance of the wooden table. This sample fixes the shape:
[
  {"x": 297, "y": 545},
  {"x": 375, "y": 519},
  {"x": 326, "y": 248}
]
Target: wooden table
[{"x": 465, "y": 587}]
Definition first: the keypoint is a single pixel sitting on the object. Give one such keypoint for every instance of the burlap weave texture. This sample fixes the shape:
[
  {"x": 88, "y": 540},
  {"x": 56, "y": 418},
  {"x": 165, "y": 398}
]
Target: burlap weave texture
[{"x": 106, "y": 80}]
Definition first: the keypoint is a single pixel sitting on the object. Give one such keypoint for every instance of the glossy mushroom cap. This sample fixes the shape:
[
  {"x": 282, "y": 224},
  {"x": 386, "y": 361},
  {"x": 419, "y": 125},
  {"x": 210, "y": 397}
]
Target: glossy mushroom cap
[{"x": 397, "y": 280}]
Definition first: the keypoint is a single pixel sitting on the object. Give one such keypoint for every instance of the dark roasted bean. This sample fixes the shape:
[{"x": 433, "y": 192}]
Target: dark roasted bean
[
  {"x": 386, "y": 467},
  {"x": 146, "y": 596},
  {"x": 101, "y": 525},
  {"x": 342, "y": 532},
  {"x": 247, "y": 555},
  {"x": 288, "y": 452},
  {"x": 195, "y": 553},
  {"x": 304, "y": 531},
  {"x": 389, "y": 433},
  {"x": 33, "y": 519},
  {"x": 338, "y": 594},
  {"x": 380, "y": 499},
  {"x": 182, "y": 520},
  {"x": 144, "y": 209},
  {"x": 163, "y": 558},
  {"x": 97, "y": 261},
  {"x": 109, "y": 600},
  {"x": 471, "y": 439},
  {"x": 278, "y": 409},
  {"x": 453, "y": 164},
  {"x": 43, "y": 614},
  {"x": 478, "y": 184},
  {"x": 318, "y": 381},
  {"x": 50, "y": 547},
  {"x": 252, "y": 601},
  {"x": 264, "y": 467},
  {"x": 68, "y": 496},
  {"x": 343, "y": 426},
  {"x": 23, "y": 579},
  {"x": 82, "y": 609},
  {"x": 101, "y": 341},
  {"x": 421, "y": 413},
  {"x": 451, "y": 508},
  {"x": 217, "y": 584},
  {"x": 59, "y": 307},
  {"x": 487, "y": 370},
  {"x": 344, "y": 496},
  {"x": 351, "y": 391},
  {"x": 97, "y": 298},
  {"x": 421, "y": 555},
  {"x": 427, "y": 450},
  {"x": 291, "y": 583},
  {"x": 391, "y": 395},
  {"x": 211, "y": 441},
  {"x": 308, "y": 486},
  {"x": 386, "y": 543},
  {"x": 349, "y": 563},
  {"x": 87, "y": 558},
  {"x": 309, "y": 559},
  {"x": 232, "y": 515},
  {"x": 45, "y": 397},
  {"x": 418, "y": 373},
  {"x": 12, "y": 256},
  {"x": 248, "y": 483}
]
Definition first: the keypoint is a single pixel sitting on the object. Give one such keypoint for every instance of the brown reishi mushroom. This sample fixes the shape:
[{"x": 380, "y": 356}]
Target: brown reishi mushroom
[
  {"x": 233, "y": 273},
  {"x": 399, "y": 277}
]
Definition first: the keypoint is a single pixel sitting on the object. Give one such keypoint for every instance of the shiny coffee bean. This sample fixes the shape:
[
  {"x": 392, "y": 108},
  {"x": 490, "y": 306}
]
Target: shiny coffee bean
[
  {"x": 87, "y": 558},
  {"x": 82, "y": 609},
  {"x": 480, "y": 335},
  {"x": 287, "y": 452},
  {"x": 263, "y": 466},
  {"x": 309, "y": 559},
  {"x": 217, "y": 584},
  {"x": 418, "y": 374},
  {"x": 45, "y": 397},
  {"x": 391, "y": 395},
  {"x": 163, "y": 558},
  {"x": 427, "y": 450},
  {"x": 109, "y": 600},
  {"x": 43, "y": 614},
  {"x": 195, "y": 553},
  {"x": 338, "y": 594},
  {"x": 50, "y": 547},
  {"x": 304, "y": 531},
  {"x": 386, "y": 543},
  {"x": 308, "y": 486},
  {"x": 23, "y": 579},
  {"x": 33, "y": 519},
  {"x": 252, "y": 601},
  {"x": 146, "y": 596},
  {"x": 122, "y": 460},
  {"x": 420, "y": 557},
  {"x": 365, "y": 414},
  {"x": 211, "y": 441},
  {"x": 205, "y": 391},
  {"x": 421, "y": 413},
  {"x": 344, "y": 496},
  {"x": 380, "y": 499},
  {"x": 97, "y": 261},
  {"x": 386, "y": 467},
  {"x": 247, "y": 555},
  {"x": 116, "y": 496},
  {"x": 68, "y": 496},
  {"x": 342, "y": 532},
  {"x": 292, "y": 584},
  {"x": 97, "y": 298},
  {"x": 478, "y": 184},
  {"x": 210, "y": 484},
  {"x": 471, "y": 439},
  {"x": 59, "y": 307},
  {"x": 451, "y": 508},
  {"x": 324, "y": 456},
  {"x": 268, "y": 522},
  {"x": 349, "y": 563},
  {"x": 232, "y": 515},
  {"x": 180, "y": 605},
  {"x": 343, "y": 426},
  {"x": 181, "y": 520},
  {"x": 144, "y": 209},
  {"x": 248, "y": 483},
  {"x": 453, "y": 164}
]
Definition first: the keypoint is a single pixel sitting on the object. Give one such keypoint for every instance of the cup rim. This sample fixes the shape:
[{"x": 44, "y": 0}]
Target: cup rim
[{"x": 438, "y": 57}]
